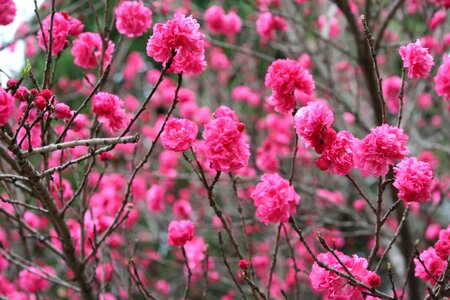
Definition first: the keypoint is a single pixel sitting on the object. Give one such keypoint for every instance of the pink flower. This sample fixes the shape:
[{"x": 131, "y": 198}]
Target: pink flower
[
  {"x": 432, "y": 262},
  {"x": 333, "y": 286},
  {"x": 284, "y": 77},
  {"x": 60, "y": 32},
  {"x": 338, "y": 157},
  {"x": 226, "y": 146},
  {"x": 31, "y": 279},
  {"x": 312, "y": 124},
  {"x": 232, "y": 24},
  {"x": 383, "y": 146},
  {"x": 109, "y": 109},
  {"x": 6, "y": 106},
  {"x": 391, "y": 90},
  {"x": 417, "y": 59},
  {"x": 155, "y": 198},
  {"x": 214, "y": 16},
  {"x": 87, "y": 50},
  {"x": 182, "y": 36},
  {"x": 442, "y": 79},
  {"x": 62, "y": 111},
  {"x": 442, "y": 246},
  {"x": 275, "y": 199},
  {"x": 180, "y": 232},
  {"x": 132, "y": 18},
  {"x": 267, "y": 24},
  {"x": 444, "y": 3},
  {"x": 414, "y": 180},
  {"x": 8, "y": 12},
  {"x": 437, "y": 19},
  {"x": 179, "y": 134}
]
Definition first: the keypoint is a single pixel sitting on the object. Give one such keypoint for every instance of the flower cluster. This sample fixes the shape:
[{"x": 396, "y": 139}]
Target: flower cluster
[
  {"x": 267, "y": 25},
  {"x": 180, "y": 36},
  {"x": 133, "y": 19},
  {"x": 226, "y": 146},
  {"x": 333, "y": 286},
  {"x": 275, "y": 199},
  {"x": 285, "y": 77},
  {"x": 6, "y": 106},
  {"x": 108, "y": 108},
  {"x": 442, "y": 79},
  {"x": 414, "y": 180}
]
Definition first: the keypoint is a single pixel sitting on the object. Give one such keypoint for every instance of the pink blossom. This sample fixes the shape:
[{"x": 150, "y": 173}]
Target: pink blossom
[
  {"x": 6, "y": 106},
  {"x": 333, "y": 286},
  {"x": 62, "y": 111},
  {"x": 60, "y": 32},
  {"x": 155, "y": 198},
  {"x": 226, "y": 146},
  {"x": 284, "y": 77},
  {"x": 338, "y": 157},
  {"x": 383, "y": 146},
  {"x": 8, "y": 12},
  {"x": 414, "y": 180},
  {"x": 214, "y": 16},
  {"x": 87, "y": 50},
  {"x": 434, "y": 264},
  {"x": 180, "y": 232},
  {"x": 391, "y": 90},
  {"x": 425, "y": 100},
  {"x": 331, "y": 25},
  {"x": 133, "y": 66},
  {"x": 442, "y": 79},
  {"x": 244, "y": 93},
  {"x": 312, "y": 124},
  {"x": 267, "y": 24},
  {"x": 444, "y": 3},
  {"x": 31, "y": 279},
  {"x": 442, "y": 246},
  {"x": 108, "y": 108},
  {"x": 232, "y": 24},
  {"x": 437, "y": 19},
  {"x": 179, "y": 134},
  {"x": 417, "y": 59},
  {"x": 275, "y": 199},
  {"x": 182, "y": 36},
  {"x": 133, "y": 19}
]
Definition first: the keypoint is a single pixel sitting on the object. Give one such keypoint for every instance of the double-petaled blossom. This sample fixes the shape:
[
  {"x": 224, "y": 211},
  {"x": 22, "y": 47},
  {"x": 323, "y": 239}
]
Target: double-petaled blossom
[
  {"x": 108, "y": 108},
  {"x": 285, "y": 77},
  {"x": 275, "y": 199},
  {"x": 442, "y": 79},
  {"x": 391, "y": 90},
  {"x": 417, "y": 59},
  {"x": 6, "y": 106},
  {"x": 180, "y": 232},
  {"x": 226, "y": 146},
  {"x": 338, "y": 157},
  {"x": 433, "y": 263},
  {"x": 88, "y": 50},
  {"x": 60, "y": 31},
  {"x": 383, "y": 146},
  {"x": 413, "y": 179},
  {"x": 7, "y": 12},
  {"x": 442, "y": 246},
  {"x": 181, "y": 39},
  {"x": 133, "y": 19},
  {"x": 334, "y": 286},
  {"x": 218, "y": 22},
  {"x": 179, "y": 134},
  {"x": 313, "y": 125}
]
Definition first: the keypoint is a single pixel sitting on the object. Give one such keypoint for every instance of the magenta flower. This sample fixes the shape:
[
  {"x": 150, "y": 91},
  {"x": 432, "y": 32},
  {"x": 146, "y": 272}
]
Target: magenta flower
[
  {"x": 414, "y": 180},
  {"x": 87, "y": 50},
  {"x": 383, "y": 146},
  {"x": 133, "y": 19},
  {"x": 442, "y": 79},
  {"x": 180, "y": 232},
  {"x": 417, "y": 59},
  {"x": 275, "y": 199},
  {"x": 179, "y": 134},
  {"x": 6, "y": 107}
]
